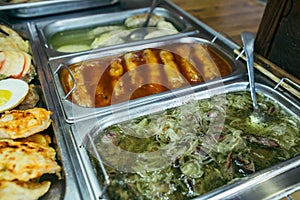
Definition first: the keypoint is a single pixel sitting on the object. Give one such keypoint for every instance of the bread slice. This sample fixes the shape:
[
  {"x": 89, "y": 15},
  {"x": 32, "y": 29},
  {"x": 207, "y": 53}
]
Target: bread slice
[
  {"x": 25, "y": 161},
  {"x": 20, "y": 124},
  {"x": 17, "y": 190}
]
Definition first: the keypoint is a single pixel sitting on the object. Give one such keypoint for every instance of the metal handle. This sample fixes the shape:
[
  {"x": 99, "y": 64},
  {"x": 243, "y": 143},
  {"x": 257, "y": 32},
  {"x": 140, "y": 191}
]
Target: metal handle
[
  {"x": 283, "y": 82},
  {"x": 153, "y": 6},
  {"x": 248, "y": 41},
  {"x": 287, "y": 80},
  {"x": 62, "y": 65}
]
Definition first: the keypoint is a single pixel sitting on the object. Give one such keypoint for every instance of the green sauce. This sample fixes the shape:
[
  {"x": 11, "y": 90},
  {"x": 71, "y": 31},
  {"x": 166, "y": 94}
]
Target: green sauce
[
  {"x": 61, "y": 41},
  {"x": 221, "y": 145}
]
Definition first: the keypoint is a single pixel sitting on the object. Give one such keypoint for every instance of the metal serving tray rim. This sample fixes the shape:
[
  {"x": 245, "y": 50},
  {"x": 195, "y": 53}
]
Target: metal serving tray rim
[
  {"x": 74, "y": 112},
  {"x": 167, "y": 103},
  {"x": 226, "y": 190},
  {"x": 188, "y": 29},
  {"x": 111, "y": 14},
  {"x": 10, "y": 6},
  {"x": 55, "y": 8}
]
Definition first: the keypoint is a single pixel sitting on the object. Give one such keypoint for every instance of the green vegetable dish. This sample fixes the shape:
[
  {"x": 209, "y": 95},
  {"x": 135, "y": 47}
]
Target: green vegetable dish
[{"x": 187, "y": 151}]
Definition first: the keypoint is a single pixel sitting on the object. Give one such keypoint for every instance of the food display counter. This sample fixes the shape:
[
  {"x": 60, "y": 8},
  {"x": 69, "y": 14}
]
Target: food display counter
[{"x": 185, "y": 86}]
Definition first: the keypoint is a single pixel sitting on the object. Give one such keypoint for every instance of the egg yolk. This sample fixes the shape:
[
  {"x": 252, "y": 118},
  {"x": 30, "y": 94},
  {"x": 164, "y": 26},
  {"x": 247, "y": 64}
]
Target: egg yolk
[{"x": 4, "y": 96}]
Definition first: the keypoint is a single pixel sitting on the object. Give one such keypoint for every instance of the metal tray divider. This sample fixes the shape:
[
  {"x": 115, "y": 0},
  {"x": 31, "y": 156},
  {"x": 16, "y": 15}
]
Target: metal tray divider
[
  {"x": 220, "y": 35},
  {"x": 27, "y": 4},
  {"x": 71, "y": 186}
]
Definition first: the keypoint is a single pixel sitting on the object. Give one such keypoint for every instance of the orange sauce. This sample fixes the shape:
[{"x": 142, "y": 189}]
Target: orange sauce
[{"x": 112, "y": 80}]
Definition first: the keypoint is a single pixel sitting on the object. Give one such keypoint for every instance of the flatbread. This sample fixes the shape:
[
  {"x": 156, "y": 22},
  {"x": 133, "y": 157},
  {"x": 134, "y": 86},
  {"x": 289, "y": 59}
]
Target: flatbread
[
  {"x": 17, "y": 190},
  {"x": 42, "y": 139},
  {"x": 23, "y": 123},
  {"x": 24, "y": 161}
]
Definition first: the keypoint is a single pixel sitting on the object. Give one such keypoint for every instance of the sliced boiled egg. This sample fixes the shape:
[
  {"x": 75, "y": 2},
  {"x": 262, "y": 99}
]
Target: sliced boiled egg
[{"x": 12, "y": 93}]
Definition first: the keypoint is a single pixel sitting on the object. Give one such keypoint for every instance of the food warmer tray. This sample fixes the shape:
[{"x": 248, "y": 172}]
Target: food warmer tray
[
  {"x": 258, "y": 185},
  {"x": 78, "y": 183},
  {"x": 49, "y": 7},
  {"x": 73, "y": 112},
  {"x": 47, "y": 29}
]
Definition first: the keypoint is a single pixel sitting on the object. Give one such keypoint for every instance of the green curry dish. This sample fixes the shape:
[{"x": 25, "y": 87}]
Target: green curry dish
[{"x": 187, "y": 151}]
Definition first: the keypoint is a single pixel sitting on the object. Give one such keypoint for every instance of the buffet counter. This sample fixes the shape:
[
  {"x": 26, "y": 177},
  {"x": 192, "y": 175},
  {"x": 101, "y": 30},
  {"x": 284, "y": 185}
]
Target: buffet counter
[{"x": 192, "y": 70}]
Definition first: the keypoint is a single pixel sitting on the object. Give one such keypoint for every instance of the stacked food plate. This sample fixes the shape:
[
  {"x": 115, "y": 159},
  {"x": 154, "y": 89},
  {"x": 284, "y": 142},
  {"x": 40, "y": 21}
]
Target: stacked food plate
[{"x": 30, "y": 166}]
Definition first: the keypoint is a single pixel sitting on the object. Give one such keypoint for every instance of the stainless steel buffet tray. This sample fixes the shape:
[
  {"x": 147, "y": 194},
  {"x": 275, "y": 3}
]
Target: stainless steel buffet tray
[
  {"x": 67, "y": 186},
  {"x": 85, "y": 131},
  {"x": 80, "y": 178},
  {"x": 48, "y": 7},
  {"x": 73, "y": 112},
  {"x": 47, "y": 29}
]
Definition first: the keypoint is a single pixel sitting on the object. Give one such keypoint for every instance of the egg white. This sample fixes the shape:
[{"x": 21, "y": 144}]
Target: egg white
[{"x": 19, "y": 90}]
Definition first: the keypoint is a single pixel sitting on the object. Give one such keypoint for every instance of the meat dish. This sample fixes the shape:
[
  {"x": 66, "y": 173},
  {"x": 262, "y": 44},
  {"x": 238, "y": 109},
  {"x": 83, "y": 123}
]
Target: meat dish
[
  {"x": 141, "y": 73},
  {"x": 187, "y": 151}
]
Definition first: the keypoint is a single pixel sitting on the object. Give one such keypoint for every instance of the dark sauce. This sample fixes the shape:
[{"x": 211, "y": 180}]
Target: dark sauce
[{"x": 143, "y": 80}]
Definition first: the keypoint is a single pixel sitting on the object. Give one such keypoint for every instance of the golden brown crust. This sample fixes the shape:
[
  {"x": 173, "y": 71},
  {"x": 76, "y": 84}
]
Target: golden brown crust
[
  {"x": 209, "y": 68},
  {"x": 116, "y": 71},
  {"x": 20, "y": 124},
  {"x": 24, "y": 161},
  {"x": 172, "y": 72},
  {"x": 13, "y": 190},
  {"x": 154, "y": 68},
  {"x": 188, "y": 67},
  {"x": 42, "y": 139}
]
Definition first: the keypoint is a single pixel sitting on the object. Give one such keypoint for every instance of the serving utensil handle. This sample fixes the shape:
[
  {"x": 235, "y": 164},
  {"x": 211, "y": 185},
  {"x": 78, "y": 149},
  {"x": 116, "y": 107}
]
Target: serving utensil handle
[{"x": 248, "y": 41}]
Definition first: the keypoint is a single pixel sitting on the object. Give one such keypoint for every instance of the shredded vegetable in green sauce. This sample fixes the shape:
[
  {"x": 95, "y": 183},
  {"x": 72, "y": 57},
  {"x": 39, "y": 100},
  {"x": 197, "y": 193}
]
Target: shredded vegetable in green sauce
[{"x": 187, "y": 151}]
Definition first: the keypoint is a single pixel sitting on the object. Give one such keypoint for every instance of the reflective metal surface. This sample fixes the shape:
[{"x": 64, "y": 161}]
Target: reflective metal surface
[
  {"x": 74, "y": 112},
  {"x": 47, "y": 29},
  {"x": 79, "y": 179},
  {"x": 265, "y": 184},
  {"x": 50, "y": 7}
]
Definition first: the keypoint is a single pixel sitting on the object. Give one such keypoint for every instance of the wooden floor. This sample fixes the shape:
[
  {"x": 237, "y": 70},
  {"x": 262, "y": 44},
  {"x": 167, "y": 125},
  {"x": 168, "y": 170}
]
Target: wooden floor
[{"x": 227, "y": 17}]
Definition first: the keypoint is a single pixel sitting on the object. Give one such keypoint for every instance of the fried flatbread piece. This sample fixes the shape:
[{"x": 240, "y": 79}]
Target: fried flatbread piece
[
  {"x": 18, "y": 190},
  {"x": 24, "y": 161},
  {"x": 20, "y": 124},
  {"x": 42, "y": 139}
]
